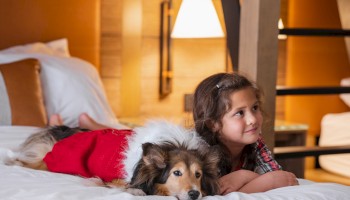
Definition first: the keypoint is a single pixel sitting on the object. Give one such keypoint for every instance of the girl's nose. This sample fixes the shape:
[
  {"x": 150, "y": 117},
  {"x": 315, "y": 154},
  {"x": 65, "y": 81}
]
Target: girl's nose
[{"x": 250, "y": 119}]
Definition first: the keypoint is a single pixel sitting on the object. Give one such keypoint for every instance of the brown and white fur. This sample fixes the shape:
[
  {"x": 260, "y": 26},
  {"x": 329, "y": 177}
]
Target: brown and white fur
[{"x": 161, "y": 159}]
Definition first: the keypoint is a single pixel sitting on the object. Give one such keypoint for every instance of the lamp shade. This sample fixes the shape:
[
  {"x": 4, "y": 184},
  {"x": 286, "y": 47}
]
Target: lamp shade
[{"x": 197, "y": 19}]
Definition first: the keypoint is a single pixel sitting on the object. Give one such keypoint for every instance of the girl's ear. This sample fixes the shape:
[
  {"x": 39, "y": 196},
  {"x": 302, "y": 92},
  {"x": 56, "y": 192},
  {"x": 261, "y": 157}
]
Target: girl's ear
[
  {"x": 213, "y": 126},
  {"x": 216, "y": 127}
]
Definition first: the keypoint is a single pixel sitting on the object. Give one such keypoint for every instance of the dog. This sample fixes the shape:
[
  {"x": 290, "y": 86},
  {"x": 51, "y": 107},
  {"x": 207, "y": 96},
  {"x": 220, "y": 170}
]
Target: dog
[{"x": 159, "y": 158}]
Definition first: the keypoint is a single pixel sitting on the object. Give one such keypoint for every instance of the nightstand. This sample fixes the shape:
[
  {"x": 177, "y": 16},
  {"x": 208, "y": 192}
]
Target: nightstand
[{"x": 291, "y": 134}]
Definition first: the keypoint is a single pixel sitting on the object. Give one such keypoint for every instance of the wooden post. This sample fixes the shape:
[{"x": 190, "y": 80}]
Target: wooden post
[
  {"x": 258, "y": 50},
  {"x": 231, "y": 10}
]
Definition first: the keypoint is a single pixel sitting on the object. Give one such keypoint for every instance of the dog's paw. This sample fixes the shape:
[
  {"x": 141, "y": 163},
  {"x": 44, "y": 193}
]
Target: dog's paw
[
  {"x": 11, "y": 161},
  {"x": 135, "y": 191},
  {"x": 93, "y": 182}
]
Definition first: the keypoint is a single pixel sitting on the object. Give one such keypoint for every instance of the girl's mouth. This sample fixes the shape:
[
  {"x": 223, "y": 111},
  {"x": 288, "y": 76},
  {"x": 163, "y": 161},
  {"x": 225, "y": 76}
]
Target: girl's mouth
[{"x": 252, "y": 130}]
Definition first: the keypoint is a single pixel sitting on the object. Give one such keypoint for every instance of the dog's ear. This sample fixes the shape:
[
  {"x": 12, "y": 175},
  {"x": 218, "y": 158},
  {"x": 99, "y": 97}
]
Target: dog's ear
[
  {"x": 213, "y": 155},
  {"x": 209, "y": 181},
  {"x": 153, "y": 155},
  {"x": 151, "y": 164}
]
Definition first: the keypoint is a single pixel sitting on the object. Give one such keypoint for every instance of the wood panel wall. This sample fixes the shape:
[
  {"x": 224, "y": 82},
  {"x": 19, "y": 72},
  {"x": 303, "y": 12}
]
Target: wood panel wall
[
  {"x": 111, "y": 49},
  {"x": 193, "y": 60}
]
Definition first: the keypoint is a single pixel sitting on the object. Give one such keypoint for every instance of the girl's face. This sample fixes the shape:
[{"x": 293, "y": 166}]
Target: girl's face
[{"x": 242, "y": 124}]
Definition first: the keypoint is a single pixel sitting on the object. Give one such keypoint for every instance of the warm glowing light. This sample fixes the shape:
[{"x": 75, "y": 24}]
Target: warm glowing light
[
  {"x": 197, "y": 19},
  {"x": 281, "y": 26}
]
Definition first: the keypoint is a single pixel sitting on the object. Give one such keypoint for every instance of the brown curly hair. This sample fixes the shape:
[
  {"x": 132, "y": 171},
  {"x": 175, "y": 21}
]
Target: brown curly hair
[{"x": 211, "y": 102}]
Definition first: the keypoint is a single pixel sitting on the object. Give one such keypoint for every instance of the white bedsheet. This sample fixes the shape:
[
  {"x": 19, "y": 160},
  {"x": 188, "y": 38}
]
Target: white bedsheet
[{"x": 27, "y": 184}]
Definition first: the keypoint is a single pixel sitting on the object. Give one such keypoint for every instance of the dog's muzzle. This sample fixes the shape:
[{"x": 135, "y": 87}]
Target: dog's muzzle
[{"x": 193, "y": 194}]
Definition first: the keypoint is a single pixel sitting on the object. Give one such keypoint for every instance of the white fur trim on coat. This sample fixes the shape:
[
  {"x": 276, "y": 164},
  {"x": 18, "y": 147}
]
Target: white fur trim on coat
[{"x": 157, "y": 132}]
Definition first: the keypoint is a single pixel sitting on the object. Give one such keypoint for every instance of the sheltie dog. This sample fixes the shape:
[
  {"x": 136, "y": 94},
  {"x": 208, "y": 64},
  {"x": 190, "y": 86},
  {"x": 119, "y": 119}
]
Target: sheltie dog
[{"x": 159, "y": 158}]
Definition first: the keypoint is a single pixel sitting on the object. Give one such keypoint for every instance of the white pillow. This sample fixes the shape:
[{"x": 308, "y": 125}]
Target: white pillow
[
  {"x": 60, "y": 47},
  {"x": 56, "y": 47},
  {"x": 71, "y": 86},
  {"x": 335, "y": 131},
  {"x": 346, "y": 96}
]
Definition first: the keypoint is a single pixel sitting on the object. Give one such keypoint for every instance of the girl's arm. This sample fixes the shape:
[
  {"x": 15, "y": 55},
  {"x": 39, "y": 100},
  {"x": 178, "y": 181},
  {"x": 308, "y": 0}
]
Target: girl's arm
[
  {"x": 236, "y": 180},
  {"x": 269, "y": 181},
  {"x": 250, "y": 182}
]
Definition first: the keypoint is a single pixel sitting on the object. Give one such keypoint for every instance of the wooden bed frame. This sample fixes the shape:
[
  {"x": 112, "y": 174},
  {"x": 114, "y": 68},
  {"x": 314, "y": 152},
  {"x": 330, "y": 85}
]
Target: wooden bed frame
[{"x": 42, "y": 21}]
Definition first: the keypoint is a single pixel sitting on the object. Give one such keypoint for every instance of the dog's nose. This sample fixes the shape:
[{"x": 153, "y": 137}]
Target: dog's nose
[{"x": 194, "y": 194}]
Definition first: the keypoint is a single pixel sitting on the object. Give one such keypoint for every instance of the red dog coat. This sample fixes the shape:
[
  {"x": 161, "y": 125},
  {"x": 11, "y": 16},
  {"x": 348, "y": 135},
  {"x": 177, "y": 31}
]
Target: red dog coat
[{"x": 90, "y": 154}]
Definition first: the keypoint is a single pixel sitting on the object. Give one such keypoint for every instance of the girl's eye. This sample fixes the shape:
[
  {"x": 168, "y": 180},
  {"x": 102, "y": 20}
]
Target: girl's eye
[
  {"x": 239, "y": 113},
  {"x": 256, "y": 108},
  {"x": 198, "y": 175},
  {"x": 177, "y": 173}
]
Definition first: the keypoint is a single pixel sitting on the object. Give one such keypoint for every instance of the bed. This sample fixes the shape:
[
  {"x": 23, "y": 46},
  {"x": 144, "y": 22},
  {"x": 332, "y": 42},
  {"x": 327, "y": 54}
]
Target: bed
[
  {"x": 59, "y": 73},
  {"x": 22, "y": 183}
]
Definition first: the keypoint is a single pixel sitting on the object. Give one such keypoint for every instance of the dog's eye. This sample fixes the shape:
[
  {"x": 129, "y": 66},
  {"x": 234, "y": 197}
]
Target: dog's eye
[
  {"x": 198, "y": 175},
  {"x": 177, "y": 173}
]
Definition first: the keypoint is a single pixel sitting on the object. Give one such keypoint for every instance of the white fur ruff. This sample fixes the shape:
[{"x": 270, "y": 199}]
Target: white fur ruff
[{"x": 157, "y": 132}]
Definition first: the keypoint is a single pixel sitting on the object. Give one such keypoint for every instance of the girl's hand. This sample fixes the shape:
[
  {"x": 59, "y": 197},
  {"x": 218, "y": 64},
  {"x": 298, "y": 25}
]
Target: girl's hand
[
  {"x": 235, "y": 180},
  {"x": 269, "y": 181},
  {"x": 284, "y": 178}
]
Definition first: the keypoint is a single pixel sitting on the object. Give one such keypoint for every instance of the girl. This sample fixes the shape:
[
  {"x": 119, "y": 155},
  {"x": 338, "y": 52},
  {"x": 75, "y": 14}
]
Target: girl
[{"x": 226, "y": 112}]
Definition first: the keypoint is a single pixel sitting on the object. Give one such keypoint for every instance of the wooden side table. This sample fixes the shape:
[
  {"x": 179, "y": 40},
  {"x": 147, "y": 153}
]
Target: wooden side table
[{"x": 291, "y": 134}]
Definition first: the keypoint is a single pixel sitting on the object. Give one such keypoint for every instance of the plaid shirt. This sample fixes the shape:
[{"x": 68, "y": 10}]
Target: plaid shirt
[{"x": 264, "y": 161}]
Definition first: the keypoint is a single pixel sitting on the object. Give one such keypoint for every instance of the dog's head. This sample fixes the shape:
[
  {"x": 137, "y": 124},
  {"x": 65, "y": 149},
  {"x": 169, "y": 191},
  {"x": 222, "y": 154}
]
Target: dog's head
[{"x": 173, "y": 170}]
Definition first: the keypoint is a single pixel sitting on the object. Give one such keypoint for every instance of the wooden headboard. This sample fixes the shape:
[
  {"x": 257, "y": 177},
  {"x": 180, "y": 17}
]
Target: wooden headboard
[{"x": 28, "y": 21}]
